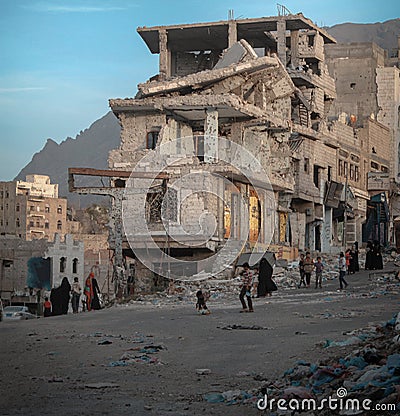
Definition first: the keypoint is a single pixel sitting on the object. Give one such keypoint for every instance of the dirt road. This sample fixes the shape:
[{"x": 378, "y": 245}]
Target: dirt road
[{"x": 143, "y": 359}]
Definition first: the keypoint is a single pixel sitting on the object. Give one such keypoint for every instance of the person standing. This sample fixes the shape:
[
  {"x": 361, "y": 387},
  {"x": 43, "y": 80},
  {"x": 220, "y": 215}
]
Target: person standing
[
  {"x": 88, "y": 291},
  {"x": 245, "y": 290},
  {"x": 91, "y": 292},
  {"x": 65, "y": 295},
  {"x": 308, "y": 268},
  {"x": 347, "y": 257},
  {"x": 319, "y": 267},
  {"x": 76, "y": 295},
  {"x": 377, "y": 256},
  {"x": 342, "y": 271},
  {"x": 59, "y": 298},
  {"x": 356, "y": 253},
  {"x": 369, "y": 256},
  {"x": 302, "y": 272},
  {"x": 47, "y": 307},
  {"x": 265, "y": 283}
]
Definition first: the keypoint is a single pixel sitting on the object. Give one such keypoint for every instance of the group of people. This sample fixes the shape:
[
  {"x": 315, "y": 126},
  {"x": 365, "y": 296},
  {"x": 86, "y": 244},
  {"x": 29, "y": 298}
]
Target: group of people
[
  {"x": 256, "y": 283},
  {"x": 60, "y": 297},
  {"x": 348, "y": 264},
  {"x": 306, "y": 267}
]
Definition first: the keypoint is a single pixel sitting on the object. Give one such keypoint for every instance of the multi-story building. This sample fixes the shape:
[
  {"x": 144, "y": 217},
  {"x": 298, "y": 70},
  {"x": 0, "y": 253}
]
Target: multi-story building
[
  {"x": 31, "y": 209},
  {"x": 368, "y": 101},
  {"x": 264, "y": 85},
  {"x": 260, "y": 83}
]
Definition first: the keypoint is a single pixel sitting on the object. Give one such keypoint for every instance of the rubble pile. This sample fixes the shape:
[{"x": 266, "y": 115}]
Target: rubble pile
[
  {"x": 286, "y": 276},
  {"x": 367, "y": 366}
]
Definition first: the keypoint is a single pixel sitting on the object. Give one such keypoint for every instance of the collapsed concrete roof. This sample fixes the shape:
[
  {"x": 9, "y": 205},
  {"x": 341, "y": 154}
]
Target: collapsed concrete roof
[
  {"x": 187, "y": 97},
  {"x": 214, "y": 35},
  {"x": 202, "y": 79}
]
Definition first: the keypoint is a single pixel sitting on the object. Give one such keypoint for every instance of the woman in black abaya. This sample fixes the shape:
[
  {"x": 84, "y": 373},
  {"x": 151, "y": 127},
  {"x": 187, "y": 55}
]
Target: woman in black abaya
[
  {"x": 59, "y": 298},
  {"x": 265, "y": 283}
]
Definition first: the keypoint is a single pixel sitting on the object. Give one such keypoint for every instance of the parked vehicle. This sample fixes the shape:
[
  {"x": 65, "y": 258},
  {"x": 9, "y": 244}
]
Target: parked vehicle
[{"x": 14, "y": 313}]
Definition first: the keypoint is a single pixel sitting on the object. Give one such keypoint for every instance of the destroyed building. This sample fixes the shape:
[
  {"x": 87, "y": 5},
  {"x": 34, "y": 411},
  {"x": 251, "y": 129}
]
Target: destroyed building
[
  {"x": 367, "y": 110},
  {"x": 262, "y": 84}
]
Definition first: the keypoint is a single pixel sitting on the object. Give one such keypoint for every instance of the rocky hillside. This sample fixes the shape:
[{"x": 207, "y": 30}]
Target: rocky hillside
[
  {"x": 384, "y": 34},
  {"x": 89, "y": 149}
]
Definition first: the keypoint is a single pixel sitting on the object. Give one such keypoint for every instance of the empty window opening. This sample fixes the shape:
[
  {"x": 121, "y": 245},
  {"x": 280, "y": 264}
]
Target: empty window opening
[
  {"x": 316, "y": 176},
  {"x": 75, "y": 265},
  {"x": 151, "y": 139},
  {"x": 63, "y": 263}
]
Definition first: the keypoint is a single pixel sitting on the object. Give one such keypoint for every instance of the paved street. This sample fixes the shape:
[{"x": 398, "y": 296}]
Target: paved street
[{"x": 53, "y": 366}]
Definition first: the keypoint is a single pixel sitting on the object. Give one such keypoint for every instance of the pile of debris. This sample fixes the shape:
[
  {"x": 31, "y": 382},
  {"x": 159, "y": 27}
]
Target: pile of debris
[{"x": 367, "y": 372}]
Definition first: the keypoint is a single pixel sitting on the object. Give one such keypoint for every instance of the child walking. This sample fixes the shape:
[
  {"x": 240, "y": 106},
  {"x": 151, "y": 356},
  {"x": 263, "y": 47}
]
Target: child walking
[{"x": 342, "y": 270}]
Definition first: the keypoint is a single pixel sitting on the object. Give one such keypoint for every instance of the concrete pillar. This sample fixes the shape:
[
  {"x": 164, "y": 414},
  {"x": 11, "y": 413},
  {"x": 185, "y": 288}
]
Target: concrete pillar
[
  {"x": 232, "y": 33},
  {"x": 165, "y": 55},
  {"x": 211, "y": 136},
  {"x": 294, "y": 47},
  {"x": 281, "y": 35}
]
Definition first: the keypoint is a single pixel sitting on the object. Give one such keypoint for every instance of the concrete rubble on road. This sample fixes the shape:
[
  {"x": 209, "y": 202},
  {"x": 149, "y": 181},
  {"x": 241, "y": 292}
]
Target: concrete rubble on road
[
  {"x": 366, "y": 366},
  {"x": 381, "y": 282}
]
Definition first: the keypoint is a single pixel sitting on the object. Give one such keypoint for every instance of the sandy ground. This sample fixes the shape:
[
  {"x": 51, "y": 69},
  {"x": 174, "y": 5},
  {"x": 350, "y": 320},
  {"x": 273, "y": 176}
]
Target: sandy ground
[{"x": 53, "y": 366}]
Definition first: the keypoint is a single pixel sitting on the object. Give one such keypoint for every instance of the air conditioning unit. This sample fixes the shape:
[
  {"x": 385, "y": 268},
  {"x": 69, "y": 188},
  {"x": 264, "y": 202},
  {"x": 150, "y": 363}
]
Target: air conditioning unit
[{"x": 309, "y": 212}]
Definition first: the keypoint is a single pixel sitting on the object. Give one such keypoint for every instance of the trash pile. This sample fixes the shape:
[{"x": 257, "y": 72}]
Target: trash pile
[
  {"x": 367, "y": 369},
  {"x": 139, "y": 355}
]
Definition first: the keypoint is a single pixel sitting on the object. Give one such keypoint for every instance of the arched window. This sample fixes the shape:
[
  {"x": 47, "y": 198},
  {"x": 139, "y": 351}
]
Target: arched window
[
  {"x": 47, "y": 208},
  {"x": 17, "y": 207},
  {"x": 18, "y": 223},
  {"x": 75, "y": 265},
  {"x": 46, "y": 224},
  {"x": 59, "y": 209},
  {"x": 63, "y": 262},
  {"x": 59, "y": 225}
]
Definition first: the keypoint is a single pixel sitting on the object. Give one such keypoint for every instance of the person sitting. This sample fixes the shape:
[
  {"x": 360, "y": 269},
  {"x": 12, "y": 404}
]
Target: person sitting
[{"x": 201, "y": 306}]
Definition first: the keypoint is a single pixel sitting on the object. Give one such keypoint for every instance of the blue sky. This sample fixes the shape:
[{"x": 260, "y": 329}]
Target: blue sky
[{"x": 61, "y": 60}]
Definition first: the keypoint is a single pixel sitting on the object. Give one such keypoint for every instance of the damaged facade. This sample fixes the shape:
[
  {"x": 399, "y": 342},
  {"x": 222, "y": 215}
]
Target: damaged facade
[
  {"x": 367, "y": 108},
  {"x": 260, "y": 83},
  {"x": 29, "y": 269},
  {"x": 263, "y": 84}
]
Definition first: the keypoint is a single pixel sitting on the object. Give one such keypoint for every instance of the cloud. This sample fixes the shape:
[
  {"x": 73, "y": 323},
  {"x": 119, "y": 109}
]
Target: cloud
[
  {"x": 54, "y": 8},
  {"x": 20, "y": 89}
]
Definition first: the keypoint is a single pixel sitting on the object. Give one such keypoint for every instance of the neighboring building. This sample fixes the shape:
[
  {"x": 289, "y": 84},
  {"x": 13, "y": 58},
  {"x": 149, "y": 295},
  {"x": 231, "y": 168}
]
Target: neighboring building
[
  {"x": 368, "y": 101},
  {"x": 31, "y": 209},
  {"x": 29, "y": 269}
]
